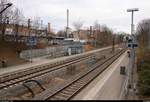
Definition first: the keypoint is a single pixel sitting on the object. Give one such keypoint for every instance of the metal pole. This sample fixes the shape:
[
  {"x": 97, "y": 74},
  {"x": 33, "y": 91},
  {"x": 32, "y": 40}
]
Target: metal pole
[
  {"x": 29, "y": 22},
  {"x": 113, "y": 44},
  {"x": 132, "y": 59},
  {"x": 133, "y": 50},
  {"x": 91, "y": 29},
  {"x": 96, "y": 36},
  {"x": 132, "y": 23}
]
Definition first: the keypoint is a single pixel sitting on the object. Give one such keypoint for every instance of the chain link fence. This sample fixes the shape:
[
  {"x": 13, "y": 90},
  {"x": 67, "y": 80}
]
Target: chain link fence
[{"x": 49, "y": 51}]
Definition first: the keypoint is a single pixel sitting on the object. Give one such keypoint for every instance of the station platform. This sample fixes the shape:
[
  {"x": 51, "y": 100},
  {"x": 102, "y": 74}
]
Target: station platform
[
  {"x": 109, "y": 85},
  {"x": 42, "y": 61}
]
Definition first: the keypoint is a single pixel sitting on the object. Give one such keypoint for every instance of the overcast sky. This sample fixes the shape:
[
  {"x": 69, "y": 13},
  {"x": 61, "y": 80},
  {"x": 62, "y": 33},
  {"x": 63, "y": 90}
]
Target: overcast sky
[{"x": 110, "y": 12}]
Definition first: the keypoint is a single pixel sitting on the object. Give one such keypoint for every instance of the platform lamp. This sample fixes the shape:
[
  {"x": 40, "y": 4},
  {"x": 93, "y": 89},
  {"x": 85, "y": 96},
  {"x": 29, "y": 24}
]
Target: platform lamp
[
  {"x": 132, "y": 60},
  {"x": 8, "y": 5}
]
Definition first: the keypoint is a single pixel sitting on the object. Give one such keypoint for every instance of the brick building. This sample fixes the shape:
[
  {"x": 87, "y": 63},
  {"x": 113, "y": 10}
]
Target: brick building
[{"x": 14, "y": 29}]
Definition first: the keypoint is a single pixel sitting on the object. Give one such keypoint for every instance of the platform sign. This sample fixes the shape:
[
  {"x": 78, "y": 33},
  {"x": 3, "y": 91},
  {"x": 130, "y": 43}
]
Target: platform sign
[{"x": 31, "y": 41}]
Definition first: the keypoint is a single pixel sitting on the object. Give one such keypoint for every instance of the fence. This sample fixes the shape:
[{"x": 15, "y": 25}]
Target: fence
[{"x": 50, "y": 51}]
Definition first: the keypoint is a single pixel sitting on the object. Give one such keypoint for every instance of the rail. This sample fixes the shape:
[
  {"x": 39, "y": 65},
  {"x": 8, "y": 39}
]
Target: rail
[
  {"x": 71, "y": 88},
  {"x": 23, "y": 75}
]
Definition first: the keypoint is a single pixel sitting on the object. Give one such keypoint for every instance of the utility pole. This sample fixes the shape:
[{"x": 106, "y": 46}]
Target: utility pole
[
  {"x": 113, "y": 44},
  {"x": 132, "y": 20},
  {"x": 91, "y": 30},
  {"x": 96, "y": 36},
  {"x": 30, "y": 45},
  {"x": 132, "y": 59}
]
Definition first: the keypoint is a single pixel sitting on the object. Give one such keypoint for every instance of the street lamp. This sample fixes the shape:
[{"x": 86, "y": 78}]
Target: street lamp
[
  {"x": 8, "y": 5},
  {"x": 132, "y": 59},
  {"x": 132, "y": 11}
]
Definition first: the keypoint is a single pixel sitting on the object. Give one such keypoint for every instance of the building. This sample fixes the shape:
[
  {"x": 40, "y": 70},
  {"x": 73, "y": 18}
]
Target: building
[{"x": 23, "y": 30}]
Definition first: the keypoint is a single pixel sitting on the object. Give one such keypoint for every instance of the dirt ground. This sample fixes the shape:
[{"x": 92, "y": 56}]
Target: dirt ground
[{"x": 9, "y": 52}]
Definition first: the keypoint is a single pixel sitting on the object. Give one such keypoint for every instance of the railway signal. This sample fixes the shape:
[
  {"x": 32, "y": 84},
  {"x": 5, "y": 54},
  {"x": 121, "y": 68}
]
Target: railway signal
[{"x": 132, "y": 45}]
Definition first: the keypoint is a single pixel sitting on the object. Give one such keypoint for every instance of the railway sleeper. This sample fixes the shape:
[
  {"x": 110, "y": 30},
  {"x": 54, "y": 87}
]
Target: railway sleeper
[
  {"x": 40, "y": 68},
  {"x": 66, "y": 92},
  {"x": 7, "y": 83},
  {"x": 78, "y": 84},
  {"x": 81, "y": 81},
  {"x": 26, "y": 77},
  {"x": 6, "y": 78},
  {"x": 15, "y": 80},
  {"x": 2, "y": 85},
  {"x": 20, "y": 78},
  {"x": 53, "y": 98},
  {"x": 63, "y": 95},
  {"x": 12, "y": 76},
  {"x": 58, "y": 98},
  {"x": 12, "y": 81},
  {"x": 73, "y": 88},
  {"x": 2, "y": 80},
  {"x": 70, "y": 90}
]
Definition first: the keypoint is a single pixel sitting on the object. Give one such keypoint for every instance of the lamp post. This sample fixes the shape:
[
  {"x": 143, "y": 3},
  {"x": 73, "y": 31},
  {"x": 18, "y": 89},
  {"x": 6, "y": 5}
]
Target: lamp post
[
  {"x": 29, "y": 40},
  {"x": 132, "y": 59},
  {"x": 8, "y": 5},
  {"x": 132, "y": 18}
]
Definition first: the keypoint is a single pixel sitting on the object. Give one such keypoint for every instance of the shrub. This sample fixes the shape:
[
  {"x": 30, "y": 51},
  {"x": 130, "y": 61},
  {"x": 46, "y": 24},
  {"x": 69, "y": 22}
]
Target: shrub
[{"x": 144, "y": 76}]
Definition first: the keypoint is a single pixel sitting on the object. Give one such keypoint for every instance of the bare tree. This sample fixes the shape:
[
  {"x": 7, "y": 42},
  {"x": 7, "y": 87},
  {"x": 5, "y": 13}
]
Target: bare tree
[
  {"x": 16, "y": 19},
  {"x": 2, "y": 6},
  {"x": 3, "y": 17},
  {"x": 12, "y": 16},
  {"x": 108, "y": 35},
  {"x": 96, "y": 32},
  {"x": 78, "y": 25},
  {"x": 120, "y": 37},
  {"x": 97, "y": 25},
  {"x": 103, "y": 34},
  {"x": 143, "y": 35},
  {"x": 36, "y": 24},
  {"x": 61, "y": 33}
]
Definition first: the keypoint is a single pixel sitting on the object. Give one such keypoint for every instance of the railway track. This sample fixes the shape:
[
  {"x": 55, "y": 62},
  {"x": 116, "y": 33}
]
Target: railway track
[
  {"x": 11, "y": 79},
  {"x": 71, "y": 88}
]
